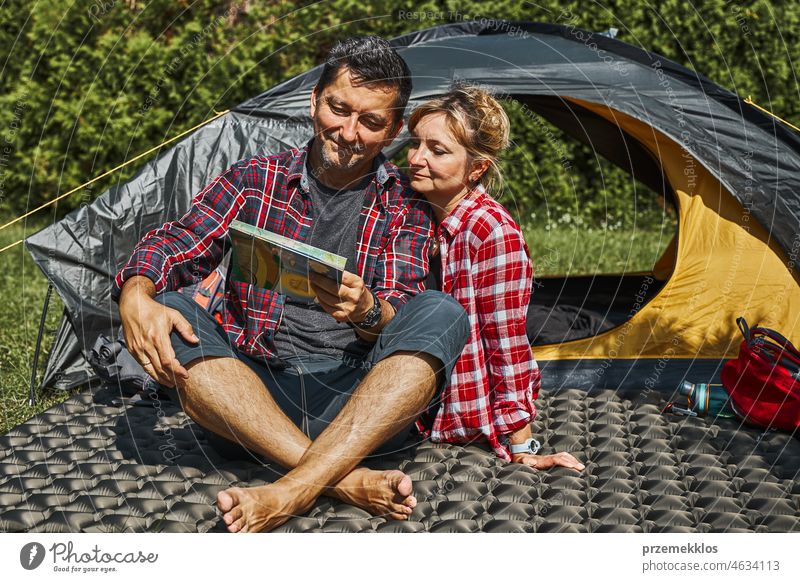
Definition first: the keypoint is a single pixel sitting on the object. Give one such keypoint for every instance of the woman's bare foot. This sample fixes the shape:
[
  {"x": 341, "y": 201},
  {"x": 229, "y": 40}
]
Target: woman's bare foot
[
  {"x": 260, "y": 508},
  {"x": 382, "y": 493}
]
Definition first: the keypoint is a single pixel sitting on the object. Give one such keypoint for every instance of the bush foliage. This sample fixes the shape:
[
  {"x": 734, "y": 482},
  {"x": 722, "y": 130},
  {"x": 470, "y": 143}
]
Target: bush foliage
[{"x": 89, "y": 84}]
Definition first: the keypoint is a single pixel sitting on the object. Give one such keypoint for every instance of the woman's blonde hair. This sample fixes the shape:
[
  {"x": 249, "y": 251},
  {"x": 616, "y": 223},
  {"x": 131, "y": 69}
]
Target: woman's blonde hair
[{"x": 477, "y": 121}]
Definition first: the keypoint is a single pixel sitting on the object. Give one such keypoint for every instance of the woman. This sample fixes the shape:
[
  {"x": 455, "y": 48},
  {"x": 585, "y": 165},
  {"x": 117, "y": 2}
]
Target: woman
[{"x": 483, "y": 263}]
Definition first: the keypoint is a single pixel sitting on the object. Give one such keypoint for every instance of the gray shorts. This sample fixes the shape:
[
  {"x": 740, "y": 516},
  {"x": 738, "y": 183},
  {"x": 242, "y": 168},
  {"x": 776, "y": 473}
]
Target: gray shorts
[{"x": 311, "y": 390}]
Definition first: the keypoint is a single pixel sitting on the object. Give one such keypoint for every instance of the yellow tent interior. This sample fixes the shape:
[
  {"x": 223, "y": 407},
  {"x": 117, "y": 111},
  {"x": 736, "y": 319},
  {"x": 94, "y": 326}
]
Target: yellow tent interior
[{"x": 725, "y": 267}]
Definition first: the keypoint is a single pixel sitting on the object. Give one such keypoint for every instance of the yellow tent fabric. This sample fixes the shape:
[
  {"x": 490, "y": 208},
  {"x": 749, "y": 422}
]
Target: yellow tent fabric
[{"x": 725, "y": 267}]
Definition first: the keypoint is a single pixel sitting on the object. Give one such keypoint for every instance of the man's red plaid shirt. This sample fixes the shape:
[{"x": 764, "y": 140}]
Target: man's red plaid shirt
[
  {"x": 272, "y": 193},
  {"x": 487, "y": 269}
]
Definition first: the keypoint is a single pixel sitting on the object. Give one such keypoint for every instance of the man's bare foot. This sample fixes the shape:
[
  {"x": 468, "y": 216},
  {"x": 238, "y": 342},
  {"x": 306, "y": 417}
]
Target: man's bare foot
[
  {"x": 259, "y": 508},
  {"x": 382, "y": 493}
]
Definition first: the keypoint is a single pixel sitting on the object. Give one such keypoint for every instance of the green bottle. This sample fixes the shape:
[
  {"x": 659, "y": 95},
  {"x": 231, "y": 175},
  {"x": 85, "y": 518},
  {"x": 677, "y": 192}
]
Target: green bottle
[{"x": 705, "y": 400}]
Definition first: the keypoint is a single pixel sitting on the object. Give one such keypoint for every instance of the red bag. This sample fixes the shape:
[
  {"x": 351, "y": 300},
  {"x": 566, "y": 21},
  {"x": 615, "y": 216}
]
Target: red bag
[{"x": 764, "y": 381}]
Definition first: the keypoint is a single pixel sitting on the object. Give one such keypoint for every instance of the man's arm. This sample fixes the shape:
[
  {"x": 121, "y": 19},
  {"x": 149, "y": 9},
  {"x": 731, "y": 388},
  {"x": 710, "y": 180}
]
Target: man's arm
[
  {"x": 387, "y": 314},
  {"x": 184, "y": 251},
  {"x": 135, "y": 287},
  {"x": 174, "y": 255}
]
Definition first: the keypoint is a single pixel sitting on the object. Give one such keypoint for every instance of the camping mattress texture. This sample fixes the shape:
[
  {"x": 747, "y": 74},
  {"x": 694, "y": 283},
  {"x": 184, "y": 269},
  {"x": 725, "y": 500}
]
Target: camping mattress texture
[{"x": 88, "y": 465}]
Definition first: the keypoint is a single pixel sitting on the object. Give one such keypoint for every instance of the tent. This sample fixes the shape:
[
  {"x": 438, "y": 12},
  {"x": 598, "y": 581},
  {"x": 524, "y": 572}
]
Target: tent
[{"x": 732, "y": 171}]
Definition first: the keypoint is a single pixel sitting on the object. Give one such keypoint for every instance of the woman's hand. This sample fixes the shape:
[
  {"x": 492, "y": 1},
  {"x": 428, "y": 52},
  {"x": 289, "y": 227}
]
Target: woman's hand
[{"x": 562, "y": 459}]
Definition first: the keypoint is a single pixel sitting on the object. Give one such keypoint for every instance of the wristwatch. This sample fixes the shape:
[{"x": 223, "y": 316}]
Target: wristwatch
[
  {"x": 373, "y": 316},
  {"x": 530, "y": 446}
]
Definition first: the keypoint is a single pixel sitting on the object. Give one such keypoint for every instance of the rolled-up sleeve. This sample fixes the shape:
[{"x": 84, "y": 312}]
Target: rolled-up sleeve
[{"x": 186, "y": 250}]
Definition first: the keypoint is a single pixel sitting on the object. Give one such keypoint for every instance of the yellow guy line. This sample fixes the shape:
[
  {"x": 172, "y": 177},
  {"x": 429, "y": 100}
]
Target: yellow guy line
[
  {"x": 11, "y": 245},
  {"x": 750, "y": 101},
  {"x": 93, "y": 180}
]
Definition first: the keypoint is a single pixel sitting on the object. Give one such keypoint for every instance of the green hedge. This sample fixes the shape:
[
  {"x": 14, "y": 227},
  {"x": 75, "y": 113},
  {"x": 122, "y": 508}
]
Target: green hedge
[{"x": 89, "y": 84}]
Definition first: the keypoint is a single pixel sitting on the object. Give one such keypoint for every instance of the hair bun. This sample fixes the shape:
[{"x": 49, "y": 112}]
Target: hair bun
[{"x": 490, "y": 119}]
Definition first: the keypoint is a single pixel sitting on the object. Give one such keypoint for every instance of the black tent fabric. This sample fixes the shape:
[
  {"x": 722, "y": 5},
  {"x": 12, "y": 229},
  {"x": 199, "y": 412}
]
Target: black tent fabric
[{"x": 544, "y": 65}]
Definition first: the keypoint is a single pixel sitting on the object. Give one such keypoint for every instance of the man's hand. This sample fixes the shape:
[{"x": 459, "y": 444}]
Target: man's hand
[
  {"x": 147, "y": 326},
  {"x": 562, "y": 459},
  {"x": 349, "y": 301}
]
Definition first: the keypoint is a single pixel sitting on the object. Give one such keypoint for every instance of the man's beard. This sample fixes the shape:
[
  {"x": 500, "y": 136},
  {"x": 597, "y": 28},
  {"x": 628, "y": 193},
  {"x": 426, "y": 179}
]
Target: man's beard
[{"x": 343, "y": 158}]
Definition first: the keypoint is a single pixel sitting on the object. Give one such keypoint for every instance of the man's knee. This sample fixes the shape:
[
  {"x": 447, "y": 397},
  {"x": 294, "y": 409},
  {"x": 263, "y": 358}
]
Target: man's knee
[
  {"x": 186, "y": 306},
  {"x": 442, "y": 311},
  {"x": 207, "y": 379},
  {"x": 431, "y": 323},
  {"x": 212, "y": 341},
  {"x": 176, "y": 300},
  {"x": 211, "y": 372}
]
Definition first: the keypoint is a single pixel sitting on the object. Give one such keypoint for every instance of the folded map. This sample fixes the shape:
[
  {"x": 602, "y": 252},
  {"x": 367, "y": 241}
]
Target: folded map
[{"x": 271, "y": 261}]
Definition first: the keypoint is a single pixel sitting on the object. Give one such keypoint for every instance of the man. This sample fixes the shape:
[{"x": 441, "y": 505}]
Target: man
[{"x": 314, "y": 388}]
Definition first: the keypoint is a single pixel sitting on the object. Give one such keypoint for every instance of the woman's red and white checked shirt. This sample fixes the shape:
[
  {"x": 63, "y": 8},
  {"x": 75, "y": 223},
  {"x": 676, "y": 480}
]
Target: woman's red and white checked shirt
[
  {"x": 487, "y": 269},
  {"x": 395, "y": 235}
]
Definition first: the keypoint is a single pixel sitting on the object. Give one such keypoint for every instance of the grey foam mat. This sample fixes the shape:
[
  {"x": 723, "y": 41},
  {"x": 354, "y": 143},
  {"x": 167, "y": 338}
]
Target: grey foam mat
[{"x": 86, "y": 465}]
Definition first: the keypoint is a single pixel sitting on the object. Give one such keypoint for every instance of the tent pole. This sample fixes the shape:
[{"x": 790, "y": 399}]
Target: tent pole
[{"x": 31, "y": 393}]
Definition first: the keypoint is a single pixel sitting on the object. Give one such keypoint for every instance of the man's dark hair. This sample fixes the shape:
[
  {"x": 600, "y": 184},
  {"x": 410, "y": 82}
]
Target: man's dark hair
[{"x": 370, "y": 59}]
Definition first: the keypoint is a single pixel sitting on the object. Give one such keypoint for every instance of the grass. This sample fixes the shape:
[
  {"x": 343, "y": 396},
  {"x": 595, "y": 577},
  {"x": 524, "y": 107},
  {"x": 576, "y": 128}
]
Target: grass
[
  {"x": 578, "y": 250},
  {"x": 22, "y": 288},
  {"x": 562, "y": 250}
]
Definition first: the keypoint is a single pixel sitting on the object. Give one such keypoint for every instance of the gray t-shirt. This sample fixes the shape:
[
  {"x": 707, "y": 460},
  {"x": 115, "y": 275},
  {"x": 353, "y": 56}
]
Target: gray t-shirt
[{"x": 307, "y": 329}]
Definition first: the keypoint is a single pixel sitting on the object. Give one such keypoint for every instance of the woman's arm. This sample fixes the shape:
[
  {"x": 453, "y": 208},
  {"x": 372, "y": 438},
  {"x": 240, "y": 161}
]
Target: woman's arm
[
  {"x": 503, "y": 283},
  {"x": 501, "y": 278}
]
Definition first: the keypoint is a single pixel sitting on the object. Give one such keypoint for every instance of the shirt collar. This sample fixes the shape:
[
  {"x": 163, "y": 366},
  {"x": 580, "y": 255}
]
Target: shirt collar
[
  {"x": 299, "y": 171},
  {"x": 453, "y": 221}
]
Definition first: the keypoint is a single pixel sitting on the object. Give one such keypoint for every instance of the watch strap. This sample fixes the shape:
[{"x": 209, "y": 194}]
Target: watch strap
[
  {"x": 373, "y": 316},
  {"x": 530, "y": 446}
]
